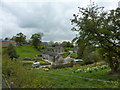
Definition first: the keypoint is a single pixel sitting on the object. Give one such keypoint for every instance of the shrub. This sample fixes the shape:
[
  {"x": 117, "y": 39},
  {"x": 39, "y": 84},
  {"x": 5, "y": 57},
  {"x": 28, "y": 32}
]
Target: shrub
[
  {"x": 76, "y": 65},
  {"x": 22, "y": 77},
  {"x": 100, "y": 63}
]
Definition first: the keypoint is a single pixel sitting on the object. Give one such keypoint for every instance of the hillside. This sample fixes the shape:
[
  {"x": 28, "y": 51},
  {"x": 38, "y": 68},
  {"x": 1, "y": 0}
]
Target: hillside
[
  {"x": 26, "y": 51},
  {"x": 74, "y": 78}
]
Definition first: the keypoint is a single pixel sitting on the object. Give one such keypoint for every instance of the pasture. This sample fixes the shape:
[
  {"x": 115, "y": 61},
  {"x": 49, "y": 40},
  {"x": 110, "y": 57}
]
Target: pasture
[
  {"x": 26, "y": 51},
  {"x": 68, "y": 78}
]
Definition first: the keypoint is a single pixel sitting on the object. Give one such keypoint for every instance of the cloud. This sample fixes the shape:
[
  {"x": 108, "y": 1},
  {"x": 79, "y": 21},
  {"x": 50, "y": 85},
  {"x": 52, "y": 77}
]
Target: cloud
[{"x": 51, "y": 18}]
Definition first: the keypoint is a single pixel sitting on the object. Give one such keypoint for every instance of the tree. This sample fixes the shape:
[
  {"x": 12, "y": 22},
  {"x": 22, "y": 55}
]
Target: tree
[
  {"x": 36, "y": 39},
  {"x": 11, "y": 52},
  {"x": 99, "y": 28},
  {"x": 20, "y": 38},
  {"x": 70, "y": 45},
  {"x": 7, "y": 38},
  {"x": 55, "y": 44},
  {"x": 51, "y": 43},
  {"x": 66, "y": 44}
]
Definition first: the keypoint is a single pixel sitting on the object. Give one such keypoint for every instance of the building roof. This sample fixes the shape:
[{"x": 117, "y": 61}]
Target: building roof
[
  {"x": 49, "y": 53},
  {"x": 8, "y": 40}
]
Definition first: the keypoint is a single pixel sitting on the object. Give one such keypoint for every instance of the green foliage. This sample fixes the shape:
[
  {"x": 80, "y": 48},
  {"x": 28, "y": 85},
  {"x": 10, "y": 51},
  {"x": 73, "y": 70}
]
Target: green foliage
[
  {"x": 65, "y": 54},
  {"x": 46, "y": 48},
  {"x": 66, "y": 78},
  {"x": 36, "y": 39},
  {"x": 20, "y": 38},
  {"x": 55, "y": 44},
  {"x": 7, "y": 38},
  {"x": 98, "y": 28},
  {"x": 91, "y": 55},
  {"x": 21, "y": 76},
  {"x": 66, "y": 44},
  {"x": 11, "y": 52},
  {"x": 60, "y": 66},
  {"x": 58, "y": 78},
  {"x": 74, "y": 55}
]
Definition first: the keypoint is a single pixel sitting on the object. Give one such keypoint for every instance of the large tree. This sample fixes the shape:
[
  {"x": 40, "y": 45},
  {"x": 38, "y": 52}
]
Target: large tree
[
  {"x": 20, "y": 38},
  {"x": 67, "y": 44},
  {"x": 99, "y": 28},
  {"x": 36, "y": 39}
]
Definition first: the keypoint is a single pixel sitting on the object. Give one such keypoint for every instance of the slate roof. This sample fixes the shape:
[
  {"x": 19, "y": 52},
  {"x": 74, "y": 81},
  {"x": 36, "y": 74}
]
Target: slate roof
[
  {"x": 8, "y": 40},
  {"x": 49, "y": 53}
]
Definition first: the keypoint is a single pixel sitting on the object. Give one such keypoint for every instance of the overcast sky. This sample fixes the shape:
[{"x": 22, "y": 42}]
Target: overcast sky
[{"x": 51, "y": 17}]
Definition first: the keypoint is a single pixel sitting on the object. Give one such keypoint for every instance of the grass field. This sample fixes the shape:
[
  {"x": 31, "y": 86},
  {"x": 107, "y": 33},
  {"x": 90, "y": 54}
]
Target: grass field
[
  {"x": 26, "y": 51},
  {"x": 65, "y": 54},
  {"x": 66, "y": 78},
  {"x": 74, "y": 55}
]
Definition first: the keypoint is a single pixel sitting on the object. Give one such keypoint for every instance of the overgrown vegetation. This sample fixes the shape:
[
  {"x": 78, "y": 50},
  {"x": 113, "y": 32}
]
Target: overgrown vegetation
[
  {"x": 98, "y": 28},
  {"x": 98, "y": 40},
  {"x": 67, "y": 78},
  {"x": 21, "y": 76},
  {"x": 56, "y": 78},
  {"x": 11, "y": 52}
]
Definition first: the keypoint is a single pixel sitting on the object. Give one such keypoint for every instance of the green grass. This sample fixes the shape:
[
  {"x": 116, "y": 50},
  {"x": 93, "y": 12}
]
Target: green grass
[
  {"x": 65, "y": 78},
  {"x": 65, "y": 54},
  {"x": 59, "y": 78},
  {"x": 69, "y": 49},
  {"x": 26, "y": 51},
  {"x": 74, "y": 55}
]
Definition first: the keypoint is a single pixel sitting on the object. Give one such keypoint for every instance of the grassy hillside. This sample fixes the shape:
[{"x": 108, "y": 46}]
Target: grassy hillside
[
  {"x": 66, "y": 78},
  {"x": 26, "y": 51},
  {"x": 74, "y": 77},
  {"x": 58, "y": 78}
]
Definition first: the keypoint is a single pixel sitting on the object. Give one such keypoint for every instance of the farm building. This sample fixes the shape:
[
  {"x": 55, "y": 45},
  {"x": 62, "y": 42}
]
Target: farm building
[
  {"x": 6, "y": 43},
  {"x": 44, "y": 44},
  {"x": 51, "y": 56},
  {"x": 58, "y": 49}
]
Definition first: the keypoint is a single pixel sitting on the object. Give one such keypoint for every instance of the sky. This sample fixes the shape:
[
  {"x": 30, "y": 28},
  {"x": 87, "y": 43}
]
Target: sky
[{"x": 51, "y": 17}]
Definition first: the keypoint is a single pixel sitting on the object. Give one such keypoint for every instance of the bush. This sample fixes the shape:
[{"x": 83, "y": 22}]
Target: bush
[
  {"x": 11, "y": 52},
  {"x": 53, "y": 66},
  {"x": 76, "y": 65},
  {"x": 19, "y": 75}
]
